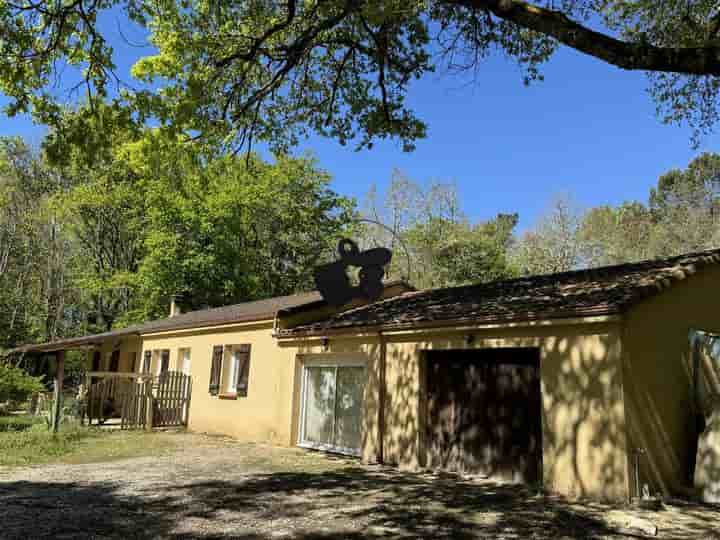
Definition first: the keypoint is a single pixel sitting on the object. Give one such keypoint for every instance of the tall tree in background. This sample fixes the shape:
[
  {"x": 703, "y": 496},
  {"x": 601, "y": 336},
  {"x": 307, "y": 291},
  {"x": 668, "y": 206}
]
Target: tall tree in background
[
  {"x": 443, "y": 246},
  {"x": 107, "y": 241},
  {"x": 682, "y": 215},
  {"x": 231, "y": 230},
  {"x": 160, "y": 215},
  {"x": 35, "y": 251},
  {"x": 554, "y": 244},
  {"x": 275, "y": 71},
  {"x": 616, "y": 234},
  {"x": 685, "y": 207}
]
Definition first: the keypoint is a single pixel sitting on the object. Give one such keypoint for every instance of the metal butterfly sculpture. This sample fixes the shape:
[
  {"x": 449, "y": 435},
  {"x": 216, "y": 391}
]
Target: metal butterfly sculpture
[{"x": 332, "y": 279}]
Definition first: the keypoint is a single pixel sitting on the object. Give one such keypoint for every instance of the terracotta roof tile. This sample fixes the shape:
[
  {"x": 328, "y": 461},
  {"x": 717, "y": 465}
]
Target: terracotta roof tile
[{"x": 598, "y": 291}]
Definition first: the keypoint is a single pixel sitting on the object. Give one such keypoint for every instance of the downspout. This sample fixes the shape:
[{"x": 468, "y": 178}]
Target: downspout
[{"x": 381, "y": 399}]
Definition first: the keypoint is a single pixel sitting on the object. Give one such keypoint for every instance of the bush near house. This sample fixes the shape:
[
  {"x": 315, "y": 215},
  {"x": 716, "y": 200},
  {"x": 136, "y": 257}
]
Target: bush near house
[{"x": 16, "y": 385}]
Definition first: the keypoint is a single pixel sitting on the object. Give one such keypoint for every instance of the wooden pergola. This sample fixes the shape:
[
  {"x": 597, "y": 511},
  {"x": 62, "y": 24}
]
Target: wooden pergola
[{"x": 59, "y": 348}]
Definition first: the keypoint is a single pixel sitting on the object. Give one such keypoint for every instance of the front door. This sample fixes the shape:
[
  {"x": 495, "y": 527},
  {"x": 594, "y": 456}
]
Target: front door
[{"x": 331, "y": 417}]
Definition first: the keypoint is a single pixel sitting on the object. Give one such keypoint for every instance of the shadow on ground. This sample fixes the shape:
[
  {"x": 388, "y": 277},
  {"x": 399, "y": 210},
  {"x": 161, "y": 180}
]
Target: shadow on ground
[{"x": 352, "y": 503}]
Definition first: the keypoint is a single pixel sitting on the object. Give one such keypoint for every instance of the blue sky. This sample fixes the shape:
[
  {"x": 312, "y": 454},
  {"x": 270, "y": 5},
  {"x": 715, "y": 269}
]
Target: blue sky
[{"x": 589, "y": 130}]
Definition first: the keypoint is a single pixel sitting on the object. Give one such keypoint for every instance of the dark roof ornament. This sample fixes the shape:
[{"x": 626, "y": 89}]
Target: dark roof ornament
[{"x": 332, "y": 279}]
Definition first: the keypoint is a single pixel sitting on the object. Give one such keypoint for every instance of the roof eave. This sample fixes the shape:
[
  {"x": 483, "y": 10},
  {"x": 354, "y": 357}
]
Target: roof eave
[{"x": 589, "y": 316}]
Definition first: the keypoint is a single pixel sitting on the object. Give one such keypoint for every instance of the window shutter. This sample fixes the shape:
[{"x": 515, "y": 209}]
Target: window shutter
[
  {"x": 133, "y": 359},
  {"x": 243, "y": 371},
  {"x": 147, "y": 362},
  {"x": 215, "y": 369},
  {"x": 115, "y": 361}
]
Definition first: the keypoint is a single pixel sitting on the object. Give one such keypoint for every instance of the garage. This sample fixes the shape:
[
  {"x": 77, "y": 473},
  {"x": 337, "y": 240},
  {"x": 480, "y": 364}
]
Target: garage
[{"x": 483, "y": 413}]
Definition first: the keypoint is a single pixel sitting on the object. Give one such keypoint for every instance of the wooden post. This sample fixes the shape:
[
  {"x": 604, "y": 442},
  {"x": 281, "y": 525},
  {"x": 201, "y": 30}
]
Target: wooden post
[
  {"x": 57, "y": 403},
  {"x": 149, "y": 405}
]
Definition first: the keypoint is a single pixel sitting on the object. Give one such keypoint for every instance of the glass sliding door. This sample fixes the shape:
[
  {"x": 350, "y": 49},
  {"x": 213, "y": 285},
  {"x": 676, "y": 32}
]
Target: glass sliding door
[
  {"x": 348, "y": 407},
  {"x": 319, "y": 405},
  {"x": 332, "y": 407}
]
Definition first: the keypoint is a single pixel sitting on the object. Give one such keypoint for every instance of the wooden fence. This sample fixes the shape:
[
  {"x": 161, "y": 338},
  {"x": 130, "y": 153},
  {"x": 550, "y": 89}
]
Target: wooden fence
[
  {"x": 140, "y": 401},
  {"x": 172, "y": 399}
]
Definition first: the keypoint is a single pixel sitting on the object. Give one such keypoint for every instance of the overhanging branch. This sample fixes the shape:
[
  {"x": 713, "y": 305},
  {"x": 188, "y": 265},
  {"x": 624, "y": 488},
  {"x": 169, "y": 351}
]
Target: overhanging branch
[{"x": 626, "y": 55}]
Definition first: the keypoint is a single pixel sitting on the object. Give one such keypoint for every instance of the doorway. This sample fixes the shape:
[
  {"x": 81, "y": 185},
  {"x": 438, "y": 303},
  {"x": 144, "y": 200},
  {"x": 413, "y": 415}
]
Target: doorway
[{"x": 332, "y": 407}]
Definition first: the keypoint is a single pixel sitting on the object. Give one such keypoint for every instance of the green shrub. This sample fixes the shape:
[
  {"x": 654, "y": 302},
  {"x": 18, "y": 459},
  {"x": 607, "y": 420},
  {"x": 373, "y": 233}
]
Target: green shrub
[
  {"x": 16, "y": 385},
  {"x": 20, "y": 423}
]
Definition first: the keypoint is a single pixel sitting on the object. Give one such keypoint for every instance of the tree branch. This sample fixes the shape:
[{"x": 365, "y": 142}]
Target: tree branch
[{"x": 623, "y": 54}]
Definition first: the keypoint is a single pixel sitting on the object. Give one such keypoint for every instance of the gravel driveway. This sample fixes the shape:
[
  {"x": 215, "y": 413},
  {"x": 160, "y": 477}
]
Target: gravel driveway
[{"x": 217, "y": 488}]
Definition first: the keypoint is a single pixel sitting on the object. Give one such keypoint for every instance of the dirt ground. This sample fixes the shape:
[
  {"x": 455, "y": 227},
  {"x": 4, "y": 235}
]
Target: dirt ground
[{"x": 216, "y": 488}]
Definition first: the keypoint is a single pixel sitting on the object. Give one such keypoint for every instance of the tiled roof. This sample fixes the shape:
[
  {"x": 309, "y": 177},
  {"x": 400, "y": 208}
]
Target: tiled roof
[
  {"x": 258, "y": 310},
  {"x": 246, "y": 312},
  {"x": 598, "y": 291}
]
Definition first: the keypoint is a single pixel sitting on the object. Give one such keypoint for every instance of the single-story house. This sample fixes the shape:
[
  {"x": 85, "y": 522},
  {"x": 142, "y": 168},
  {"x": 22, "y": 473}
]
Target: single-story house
[{"x": 583, "y": 381}]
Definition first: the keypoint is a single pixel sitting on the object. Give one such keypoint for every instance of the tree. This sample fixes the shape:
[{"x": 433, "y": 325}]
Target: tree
[
  {"x": 685, "y": 207},
  {"x": 434, "y": 243},
  {"x": 554, "y": 245},
  {"x": 682, "y": 215},
  {"x": 230, "y": 230},
  {"x": 16, "y": 385},
  {"x": 613, "y": 235},
  {"x": 157, "y": 215},
  {"x": 342, "y": 68},
  {"x": 34, "y": 249},
  {"x": 478, "y": 254}
]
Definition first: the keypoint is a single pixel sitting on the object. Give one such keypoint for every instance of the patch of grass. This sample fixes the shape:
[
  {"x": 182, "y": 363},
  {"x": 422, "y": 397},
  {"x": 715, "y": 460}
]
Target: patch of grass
[
  {"x": 76, "y": 444},
  {"x": 19, "y": 422}
]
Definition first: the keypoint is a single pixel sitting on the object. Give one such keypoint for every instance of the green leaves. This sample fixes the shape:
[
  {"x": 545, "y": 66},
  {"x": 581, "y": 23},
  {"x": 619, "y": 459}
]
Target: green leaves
[
  {"x": 158, "y": 215},
  {"x": 16, "y": 385},
  {"x": 241, "y": 72},
  {"x": 426, "y": 224}
]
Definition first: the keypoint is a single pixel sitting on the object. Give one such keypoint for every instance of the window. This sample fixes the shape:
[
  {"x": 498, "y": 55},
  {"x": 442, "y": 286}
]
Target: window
[
  {"x": 115, "y": 361},
  {"x": 184, "y": 361},
  {"x": 231, "y": 378},
  {"x": 230, "y": 370},
  {"x": 147, "y": 361},
  {"x": 133, "y": 360}
]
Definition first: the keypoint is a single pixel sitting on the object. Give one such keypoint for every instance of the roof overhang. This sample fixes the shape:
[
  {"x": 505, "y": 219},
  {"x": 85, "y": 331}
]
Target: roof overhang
[
  {"x": 456, "y": 325},
  {"x": 68, "y": 344}
]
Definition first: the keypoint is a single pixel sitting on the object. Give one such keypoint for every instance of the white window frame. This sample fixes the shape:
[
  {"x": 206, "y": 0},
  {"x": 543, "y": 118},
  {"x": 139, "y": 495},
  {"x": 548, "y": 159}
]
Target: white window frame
[
  {"x": 230, "y": 382},
  {"x": 327, "y": 362}
]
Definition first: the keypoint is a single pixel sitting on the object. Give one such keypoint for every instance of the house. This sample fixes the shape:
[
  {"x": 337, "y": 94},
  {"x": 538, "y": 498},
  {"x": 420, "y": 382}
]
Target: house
[{"x": 582, "y": 381}]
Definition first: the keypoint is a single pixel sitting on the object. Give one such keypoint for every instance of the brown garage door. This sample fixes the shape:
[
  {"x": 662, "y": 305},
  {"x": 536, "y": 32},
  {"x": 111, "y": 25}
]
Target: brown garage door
[{"x": 484, "y": 412}]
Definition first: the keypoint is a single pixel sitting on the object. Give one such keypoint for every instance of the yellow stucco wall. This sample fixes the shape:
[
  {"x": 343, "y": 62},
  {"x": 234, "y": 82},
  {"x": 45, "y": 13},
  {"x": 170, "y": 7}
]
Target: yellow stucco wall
[
  {"x": 584, "y": 438},
  {"x": 657, "y": 373},
  {"x": 265, "y": 414}
]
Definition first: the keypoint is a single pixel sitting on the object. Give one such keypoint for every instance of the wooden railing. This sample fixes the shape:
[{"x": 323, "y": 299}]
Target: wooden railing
[{"x": 139, "y": 400}]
